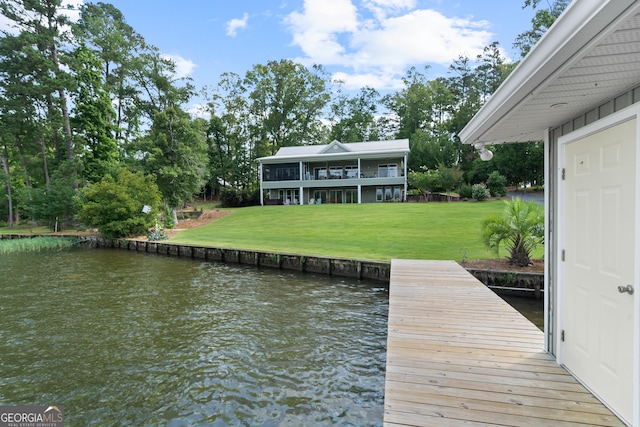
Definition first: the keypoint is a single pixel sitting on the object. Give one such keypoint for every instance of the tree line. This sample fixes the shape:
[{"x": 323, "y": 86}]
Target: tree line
[{"x": 89, "y": 104}]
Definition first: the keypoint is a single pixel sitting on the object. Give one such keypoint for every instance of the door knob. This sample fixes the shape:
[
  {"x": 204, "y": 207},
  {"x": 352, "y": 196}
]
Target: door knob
[{"x": 623, "y": 289}]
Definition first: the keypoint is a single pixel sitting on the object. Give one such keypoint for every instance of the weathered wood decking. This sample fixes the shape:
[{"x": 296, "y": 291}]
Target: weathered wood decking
[{"x": 457, "y": 355}]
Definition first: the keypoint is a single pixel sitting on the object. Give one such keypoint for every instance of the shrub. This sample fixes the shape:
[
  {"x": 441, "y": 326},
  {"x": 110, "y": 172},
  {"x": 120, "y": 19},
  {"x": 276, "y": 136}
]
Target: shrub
[
  {"x": 480, "y": 192},
  {"x": 168, "y": 218},
  {"x": 496, "y": 184},
  {"x": 466, "y": 191},
  {"x": 520, "y": 228},
  {"x": 115, "y": 205},
  {"x": 156, "y": 233},
  {"x": 235, "y": 198},
  {"x": 55, "y": 205}
]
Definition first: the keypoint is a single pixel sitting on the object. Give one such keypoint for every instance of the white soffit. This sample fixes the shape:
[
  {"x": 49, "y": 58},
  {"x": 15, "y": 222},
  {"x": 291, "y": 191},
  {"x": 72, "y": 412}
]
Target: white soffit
[{"x": 589, "y": 56}]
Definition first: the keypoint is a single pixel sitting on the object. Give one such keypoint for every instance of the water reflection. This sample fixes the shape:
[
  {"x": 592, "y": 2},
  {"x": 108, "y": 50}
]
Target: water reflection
[
  {"x": 529, "y": 307},
  {"x": 121, "y": 338}
]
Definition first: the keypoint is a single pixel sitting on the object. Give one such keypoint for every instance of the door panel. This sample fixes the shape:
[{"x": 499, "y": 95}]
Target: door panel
[{"x": 599, "y": 239}]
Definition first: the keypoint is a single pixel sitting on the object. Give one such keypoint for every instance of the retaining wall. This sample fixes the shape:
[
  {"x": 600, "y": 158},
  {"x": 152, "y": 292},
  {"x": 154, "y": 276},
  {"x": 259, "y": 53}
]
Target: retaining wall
[
  {"x": 313, "y": 264},
  {"x": 510, "y": 281},
  {"x": 503, "y": 281}
]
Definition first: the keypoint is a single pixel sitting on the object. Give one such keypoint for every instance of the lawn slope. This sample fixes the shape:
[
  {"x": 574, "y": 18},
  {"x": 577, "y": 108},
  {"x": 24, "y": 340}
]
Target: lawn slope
[{"x": 367, "y": 231}]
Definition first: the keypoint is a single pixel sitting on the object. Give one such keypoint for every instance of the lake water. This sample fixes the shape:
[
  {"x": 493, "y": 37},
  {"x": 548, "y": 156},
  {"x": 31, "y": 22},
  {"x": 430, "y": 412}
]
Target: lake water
[{"x": 125, "y": 338}]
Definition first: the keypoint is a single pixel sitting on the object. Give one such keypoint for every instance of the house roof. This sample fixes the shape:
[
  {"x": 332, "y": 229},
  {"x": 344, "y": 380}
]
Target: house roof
[
  {"x": 338, "y": 149},
  {"x": 589, "y": 56}
]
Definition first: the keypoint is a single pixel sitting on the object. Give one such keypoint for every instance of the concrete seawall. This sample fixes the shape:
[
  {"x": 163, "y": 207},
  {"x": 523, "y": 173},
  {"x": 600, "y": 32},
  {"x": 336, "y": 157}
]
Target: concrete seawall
[
  {"x": 526, "y": 283},
  {"x": 313, "y": 264}
]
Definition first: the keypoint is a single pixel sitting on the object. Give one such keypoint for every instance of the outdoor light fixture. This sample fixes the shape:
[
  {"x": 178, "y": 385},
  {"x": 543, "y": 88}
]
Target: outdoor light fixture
[{"x": 485, "y": 154}]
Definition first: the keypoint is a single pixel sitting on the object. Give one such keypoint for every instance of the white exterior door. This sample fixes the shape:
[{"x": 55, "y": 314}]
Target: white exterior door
[{"x": 598, "y": 239}]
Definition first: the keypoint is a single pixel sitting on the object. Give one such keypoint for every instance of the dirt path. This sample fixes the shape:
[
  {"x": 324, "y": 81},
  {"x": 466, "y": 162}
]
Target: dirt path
[{"x": 206, "y": 218}]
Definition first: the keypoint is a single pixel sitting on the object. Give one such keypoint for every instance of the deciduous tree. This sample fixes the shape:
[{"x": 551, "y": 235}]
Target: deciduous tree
[
  {"x": 287, "y": 101},
  {"x": 115, "y": 204},
  {"x": 540, "y": 23},
  {"x": 176, "y": 153},
  {"x": 354, "y": 118}
]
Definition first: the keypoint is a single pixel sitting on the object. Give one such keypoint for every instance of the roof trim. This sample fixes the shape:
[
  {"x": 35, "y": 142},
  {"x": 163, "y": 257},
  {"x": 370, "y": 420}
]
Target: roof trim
[
  {"x": 369, "y": 149},
  {"x": 580, "y": 27},
  {"x": 335, "y": 145}
]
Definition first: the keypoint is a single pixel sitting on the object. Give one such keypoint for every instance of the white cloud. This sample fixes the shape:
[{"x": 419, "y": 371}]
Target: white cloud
[
  {"x": 199, "y": 110},
  {"x": 379, "y": 40},
  {"x": 237, "y": 24},
  {"x": 382, "y": 8},
  {"x": 418, "y": 37},
  {"x": 388, "y": 81},
  {"x": 69, "y": 8},
  {"x": 317, "y": 29},
  {"x": 184, "y": 67},
  {"x": 72, "y": 9}
]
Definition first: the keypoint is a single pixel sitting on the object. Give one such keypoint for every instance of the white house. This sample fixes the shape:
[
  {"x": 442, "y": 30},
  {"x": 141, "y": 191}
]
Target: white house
[
  {"x": 357, "y": 172},
  {"x": 579, "y": 91}
]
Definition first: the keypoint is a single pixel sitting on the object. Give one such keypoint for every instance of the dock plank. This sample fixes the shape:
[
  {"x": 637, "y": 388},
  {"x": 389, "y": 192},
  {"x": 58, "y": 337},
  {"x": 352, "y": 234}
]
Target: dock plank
[{"x": 458, "y": 355}]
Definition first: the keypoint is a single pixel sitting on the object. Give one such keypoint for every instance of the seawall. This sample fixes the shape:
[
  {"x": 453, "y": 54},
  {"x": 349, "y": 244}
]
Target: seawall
[{"x": 504, "y": 281}]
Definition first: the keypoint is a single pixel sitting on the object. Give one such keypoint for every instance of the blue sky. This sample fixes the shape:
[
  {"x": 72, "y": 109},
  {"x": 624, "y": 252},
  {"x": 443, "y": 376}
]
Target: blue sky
[{"x": 363, "y": 42}]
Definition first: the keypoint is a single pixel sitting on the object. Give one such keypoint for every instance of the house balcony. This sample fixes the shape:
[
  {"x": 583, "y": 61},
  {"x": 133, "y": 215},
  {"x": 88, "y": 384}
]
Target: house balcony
[{"x": 332, "y": 182}]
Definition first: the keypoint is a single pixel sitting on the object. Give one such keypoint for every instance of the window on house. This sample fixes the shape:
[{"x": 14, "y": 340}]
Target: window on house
[
  {"x": 387, "y": 194},
  {"x": 335, "y": 172},
  {"x": 397, "y": 194},
  {"x": 335, "y": 196},
  {"x": 379, "y": 194},
  {"x": 281, "y": 172},
  {"x": 320, "y": 173},
  {"x": 388, "y": 170},
  {"x": 320, "y": 196},
  {"x": 289, "y": 196},
  {"x": 351, "y": 171}
]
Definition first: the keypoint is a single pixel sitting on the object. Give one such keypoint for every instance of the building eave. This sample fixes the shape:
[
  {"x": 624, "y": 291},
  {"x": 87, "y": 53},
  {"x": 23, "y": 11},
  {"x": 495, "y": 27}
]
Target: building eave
[{"x": 523, "y": 106}]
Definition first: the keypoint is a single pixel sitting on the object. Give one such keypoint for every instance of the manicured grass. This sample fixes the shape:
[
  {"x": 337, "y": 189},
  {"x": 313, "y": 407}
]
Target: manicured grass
[
  {"x": 24, "y": 229},
  {"x": 368, "y": 231}
]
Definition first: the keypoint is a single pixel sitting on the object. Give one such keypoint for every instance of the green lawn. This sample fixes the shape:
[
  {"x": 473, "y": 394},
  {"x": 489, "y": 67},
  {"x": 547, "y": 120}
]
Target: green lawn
[{"x": 367, "y": 231}]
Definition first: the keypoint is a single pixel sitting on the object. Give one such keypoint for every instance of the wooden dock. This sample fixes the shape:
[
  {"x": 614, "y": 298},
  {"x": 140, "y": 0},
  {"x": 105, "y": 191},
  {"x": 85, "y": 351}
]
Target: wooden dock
[{"x": 458, "y": 355}]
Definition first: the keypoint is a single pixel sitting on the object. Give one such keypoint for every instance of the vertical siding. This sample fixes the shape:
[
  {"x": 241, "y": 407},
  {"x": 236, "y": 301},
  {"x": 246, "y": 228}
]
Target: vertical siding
[{"x": 614, "y": 105}]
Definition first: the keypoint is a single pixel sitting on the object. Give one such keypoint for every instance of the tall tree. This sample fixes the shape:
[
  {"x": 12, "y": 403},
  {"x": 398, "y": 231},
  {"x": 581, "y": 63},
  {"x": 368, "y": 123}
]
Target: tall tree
[
  {"x": 102, "y": 28},
  {"x": 93, "y": 121},
  {"x": 463, "y": 85},
  {"x": 520, "y": 163},
  {"x": 540, "y": 23},
  {"x": 175, "y": 151},
  {"x": 429, "y": 151},
  {"x": 491, "y": 70},
  {"x": 450, "y": 178},
  {"x": 232, "y": 146},
  {"x": 36, "y": 81},
  {"x": 412, "y": 106},
  {"x": 4, "y": 162},
  {"x": 287, "y": 101},
  {"x": 354, "y": 118},
  {"x": 45, "y": 26}
]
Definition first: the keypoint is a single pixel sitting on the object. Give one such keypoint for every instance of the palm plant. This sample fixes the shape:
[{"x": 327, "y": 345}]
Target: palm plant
[{"x": 520, "y": 229}]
